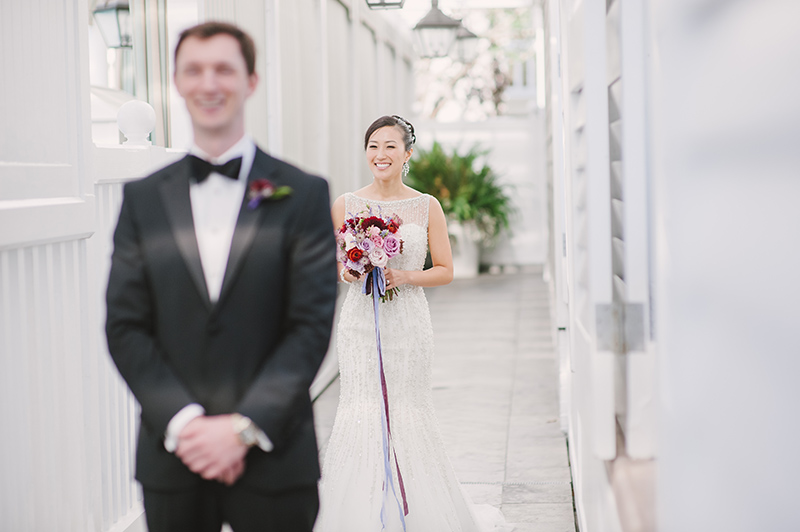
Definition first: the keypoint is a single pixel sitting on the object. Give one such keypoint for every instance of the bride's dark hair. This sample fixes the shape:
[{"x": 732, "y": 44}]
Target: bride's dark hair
[{"x": 399, "y": 122}]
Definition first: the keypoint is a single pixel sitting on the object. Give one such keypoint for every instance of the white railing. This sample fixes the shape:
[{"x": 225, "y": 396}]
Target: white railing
[{"x": 69, "y": 420}]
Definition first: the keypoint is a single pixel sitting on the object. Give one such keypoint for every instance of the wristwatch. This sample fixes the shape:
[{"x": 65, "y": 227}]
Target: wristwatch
[{"x": 245, "y": 429}]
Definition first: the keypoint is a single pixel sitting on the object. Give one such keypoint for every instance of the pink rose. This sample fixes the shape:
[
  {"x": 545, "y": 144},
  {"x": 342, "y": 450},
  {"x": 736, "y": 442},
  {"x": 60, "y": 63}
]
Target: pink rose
[
  {"x": 391, "y": 245},
  {"x": 377, "y": 241}
]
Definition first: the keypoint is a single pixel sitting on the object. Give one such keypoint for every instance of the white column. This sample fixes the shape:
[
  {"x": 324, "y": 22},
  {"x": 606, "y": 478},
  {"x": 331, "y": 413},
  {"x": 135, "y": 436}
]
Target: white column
[
  {"x": 222, "y": 10},
  {"x": 355, "y": 60},
  {"x": 46, "y": 210},
  {"x": 324, "y": 92},
  {"x": 271, "y": 77}
]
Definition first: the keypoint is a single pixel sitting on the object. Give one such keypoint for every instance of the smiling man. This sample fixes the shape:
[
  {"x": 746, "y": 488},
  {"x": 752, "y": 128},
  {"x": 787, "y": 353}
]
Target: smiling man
[{"x": 220, "y": 304}]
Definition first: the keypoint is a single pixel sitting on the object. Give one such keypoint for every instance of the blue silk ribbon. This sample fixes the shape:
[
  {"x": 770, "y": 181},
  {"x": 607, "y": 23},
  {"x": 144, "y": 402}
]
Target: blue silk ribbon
[{"x": 376, "y": 284}]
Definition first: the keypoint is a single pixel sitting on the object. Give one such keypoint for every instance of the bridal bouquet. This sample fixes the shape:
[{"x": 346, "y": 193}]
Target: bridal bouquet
[{"x": 366, "y": 242}]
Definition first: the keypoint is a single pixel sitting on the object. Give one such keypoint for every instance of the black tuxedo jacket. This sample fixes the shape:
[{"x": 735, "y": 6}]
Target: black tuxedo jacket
[{"x": 255, "y": 351}]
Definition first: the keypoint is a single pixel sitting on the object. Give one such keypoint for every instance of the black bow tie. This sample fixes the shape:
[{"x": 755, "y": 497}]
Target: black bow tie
[{"x": 201, "y": 169}]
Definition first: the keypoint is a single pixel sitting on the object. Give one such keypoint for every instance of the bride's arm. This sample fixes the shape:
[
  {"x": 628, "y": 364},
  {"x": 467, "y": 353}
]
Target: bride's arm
[
  {"x": 337, "y": 214},
  {"x": 439, "y": 241}
]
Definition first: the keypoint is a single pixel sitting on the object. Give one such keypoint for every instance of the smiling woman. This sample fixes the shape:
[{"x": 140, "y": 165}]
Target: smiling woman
[{"x": 380, "y": 474}]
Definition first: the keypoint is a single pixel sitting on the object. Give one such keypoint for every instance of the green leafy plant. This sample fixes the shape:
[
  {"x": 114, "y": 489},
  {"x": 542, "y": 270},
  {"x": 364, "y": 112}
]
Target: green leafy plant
[{"x": 466, "y": 187}]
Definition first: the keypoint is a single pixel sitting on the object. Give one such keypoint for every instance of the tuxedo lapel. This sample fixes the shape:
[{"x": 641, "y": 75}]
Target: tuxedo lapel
[
  {"x": 178, "y": 206},
  {"x": 247, "y": 223}
]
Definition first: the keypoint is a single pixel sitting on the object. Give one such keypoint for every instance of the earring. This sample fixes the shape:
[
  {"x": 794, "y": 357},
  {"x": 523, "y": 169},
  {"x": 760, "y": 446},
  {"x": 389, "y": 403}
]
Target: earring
[{"x": 406, "y": 168}]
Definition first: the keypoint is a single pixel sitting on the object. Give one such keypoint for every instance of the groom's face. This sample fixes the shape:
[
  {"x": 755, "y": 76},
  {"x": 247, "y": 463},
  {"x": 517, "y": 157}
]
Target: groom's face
[{"x": 211, "y": 75}]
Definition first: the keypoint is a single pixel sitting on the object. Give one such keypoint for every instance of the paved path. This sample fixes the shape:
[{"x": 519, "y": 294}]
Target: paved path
[{"x": 495, "y": 387}]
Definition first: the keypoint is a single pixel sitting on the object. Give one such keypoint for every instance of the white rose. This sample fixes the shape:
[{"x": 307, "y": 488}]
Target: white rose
[{"x": 378, "y": 257}]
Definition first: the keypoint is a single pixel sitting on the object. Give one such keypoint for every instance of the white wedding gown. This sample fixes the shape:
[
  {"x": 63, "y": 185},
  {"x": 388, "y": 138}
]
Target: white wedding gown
[{"x": 351, "y": 493}]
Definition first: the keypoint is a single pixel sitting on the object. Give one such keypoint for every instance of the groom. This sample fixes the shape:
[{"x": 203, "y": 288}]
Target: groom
[{"x": 220, "y": 305}]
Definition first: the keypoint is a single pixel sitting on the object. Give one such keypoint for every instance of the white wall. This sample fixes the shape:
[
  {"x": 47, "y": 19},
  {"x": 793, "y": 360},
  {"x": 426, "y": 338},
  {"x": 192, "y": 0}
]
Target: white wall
[
  {"x": 677, "y": 122},
  {"x": 46, "y": 202},
  {"x": 726, "y": 127},
  {"x": 516, "y": 147},
  {"x": 322, "y": 89}
]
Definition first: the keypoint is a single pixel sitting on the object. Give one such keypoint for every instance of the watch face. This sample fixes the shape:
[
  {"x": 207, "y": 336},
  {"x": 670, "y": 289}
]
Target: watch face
[
  {"x": 248, "y": 435},
  {"x": 246, "y": 431}
]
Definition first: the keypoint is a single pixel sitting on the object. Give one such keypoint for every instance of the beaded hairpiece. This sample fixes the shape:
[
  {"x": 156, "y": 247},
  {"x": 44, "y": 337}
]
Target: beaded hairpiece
[{"x": 407, "y": 125}]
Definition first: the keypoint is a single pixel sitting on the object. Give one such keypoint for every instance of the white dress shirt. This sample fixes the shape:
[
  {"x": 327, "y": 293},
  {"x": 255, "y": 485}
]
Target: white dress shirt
[{"x": 215, "y": 208}]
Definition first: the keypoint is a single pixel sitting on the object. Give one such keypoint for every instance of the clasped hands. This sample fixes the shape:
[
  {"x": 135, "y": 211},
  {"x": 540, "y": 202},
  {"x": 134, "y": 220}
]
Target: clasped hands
[{"x": 210, "y": 447}]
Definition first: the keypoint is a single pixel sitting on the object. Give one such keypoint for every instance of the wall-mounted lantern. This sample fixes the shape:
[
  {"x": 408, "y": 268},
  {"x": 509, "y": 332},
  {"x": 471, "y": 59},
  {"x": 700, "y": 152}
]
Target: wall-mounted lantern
[
  {"x": 113, "y": 18},
  {"x": 466, "y": 45}
]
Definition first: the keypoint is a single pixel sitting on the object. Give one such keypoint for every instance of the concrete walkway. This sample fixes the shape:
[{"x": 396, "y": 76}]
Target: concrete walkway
[{"x": 495, "y": 387}]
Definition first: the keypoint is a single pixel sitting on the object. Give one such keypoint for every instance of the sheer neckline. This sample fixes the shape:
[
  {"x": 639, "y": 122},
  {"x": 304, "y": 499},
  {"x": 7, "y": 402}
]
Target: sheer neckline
[{"x": 387, "y": 201}]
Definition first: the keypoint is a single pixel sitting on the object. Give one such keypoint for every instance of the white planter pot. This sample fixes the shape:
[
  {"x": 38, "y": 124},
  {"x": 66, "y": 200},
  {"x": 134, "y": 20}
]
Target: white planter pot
[{"x": 466, "y": 252}]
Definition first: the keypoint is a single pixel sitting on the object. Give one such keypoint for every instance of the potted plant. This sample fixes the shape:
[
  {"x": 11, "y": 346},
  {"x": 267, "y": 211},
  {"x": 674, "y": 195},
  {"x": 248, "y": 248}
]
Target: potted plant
[{"x": 476, "y": 206}]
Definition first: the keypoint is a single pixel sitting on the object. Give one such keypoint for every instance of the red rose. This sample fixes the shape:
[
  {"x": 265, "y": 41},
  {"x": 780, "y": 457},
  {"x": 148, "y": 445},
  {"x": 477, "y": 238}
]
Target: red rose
[
  {"x": 355, "y": 254},
  {"x": 258, "y": 186}
]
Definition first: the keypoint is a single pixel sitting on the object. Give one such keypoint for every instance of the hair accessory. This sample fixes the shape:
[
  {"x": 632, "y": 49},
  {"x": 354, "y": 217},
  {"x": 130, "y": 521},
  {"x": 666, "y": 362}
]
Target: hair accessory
[{"x": 408, "y": 127}]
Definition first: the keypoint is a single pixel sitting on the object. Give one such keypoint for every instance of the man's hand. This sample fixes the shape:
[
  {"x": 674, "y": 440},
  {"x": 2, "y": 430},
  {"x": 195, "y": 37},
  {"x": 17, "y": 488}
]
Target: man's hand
[
  {"x": 210, "y": 447},
  {"x": 230, "y": 476}
]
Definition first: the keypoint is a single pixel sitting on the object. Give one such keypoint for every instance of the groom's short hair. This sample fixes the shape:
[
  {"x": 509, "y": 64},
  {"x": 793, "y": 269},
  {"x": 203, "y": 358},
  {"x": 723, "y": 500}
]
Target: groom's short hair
[{"x": 210, "y": 29}]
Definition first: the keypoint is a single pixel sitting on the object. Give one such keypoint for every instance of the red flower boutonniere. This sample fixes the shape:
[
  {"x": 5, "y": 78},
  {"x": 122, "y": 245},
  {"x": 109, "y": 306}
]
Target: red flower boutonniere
[{"x": 263, "y": 189}]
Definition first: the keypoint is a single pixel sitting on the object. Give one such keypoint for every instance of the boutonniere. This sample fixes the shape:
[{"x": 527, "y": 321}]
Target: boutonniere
[{"x": 262, "y": 190}]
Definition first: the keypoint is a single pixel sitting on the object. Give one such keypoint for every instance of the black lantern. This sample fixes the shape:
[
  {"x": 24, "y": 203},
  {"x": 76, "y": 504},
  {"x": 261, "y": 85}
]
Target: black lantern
[
  {"x": 385, "y": 4},
  {"x": 466, "y": 45},
  {"x": 113, "y": 18},
  {"x": 436, "y": 32}
]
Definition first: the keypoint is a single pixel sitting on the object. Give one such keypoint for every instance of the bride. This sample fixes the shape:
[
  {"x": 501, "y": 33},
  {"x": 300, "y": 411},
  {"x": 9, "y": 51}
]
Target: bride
[{"x": 354, "y": 493}]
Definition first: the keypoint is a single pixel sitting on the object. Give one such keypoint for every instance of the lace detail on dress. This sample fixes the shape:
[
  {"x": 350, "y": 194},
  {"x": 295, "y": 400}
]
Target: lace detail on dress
[{"x": 352, "y": 477}]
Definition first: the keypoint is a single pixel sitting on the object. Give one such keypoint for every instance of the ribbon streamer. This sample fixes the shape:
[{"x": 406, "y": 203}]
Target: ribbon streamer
[{"x": 375, "y": 283}]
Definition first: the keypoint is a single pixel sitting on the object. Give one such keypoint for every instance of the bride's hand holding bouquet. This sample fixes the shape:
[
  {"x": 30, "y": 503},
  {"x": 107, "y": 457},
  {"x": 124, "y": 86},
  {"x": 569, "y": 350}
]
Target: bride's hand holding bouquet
[{"x": 366, "y": 242}]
